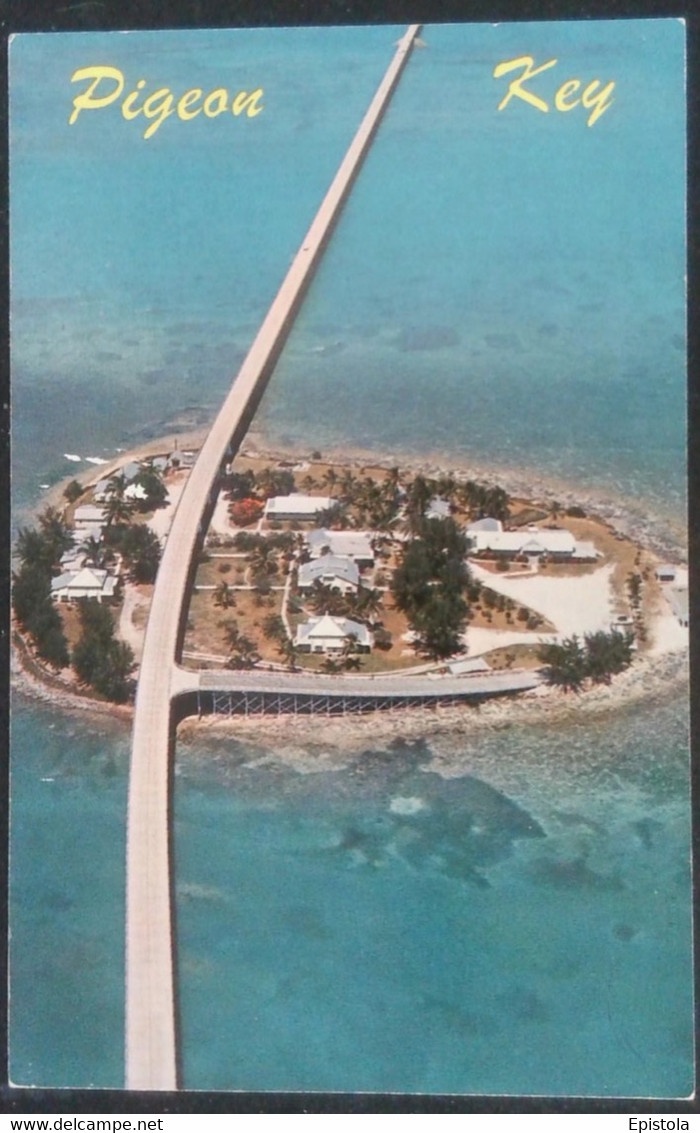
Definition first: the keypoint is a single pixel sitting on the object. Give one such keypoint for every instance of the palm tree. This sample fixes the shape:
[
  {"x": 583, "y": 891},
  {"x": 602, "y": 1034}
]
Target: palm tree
[
  {"x": 56, "y": 533},
  {"x": 224, "y": 595},
  {"x": 274, "y": 628},
  {"x": 32, "y": 549},
  {"x": 495, "y": 503},
  {"x": 330, "y": 665},
  {"x": 243, "y": 653},
  {"x": 368, "y": 602},
  {"x": 350, "y": 644},
  {"x": 118, "y": 510},
  {"x": 289, "y": 651},
  {"x": 116, "y": 485},
  {"x": 330, "y": 479},
  {"x": 95, "y": 552},
  {"x": 261, "y": 559},
  {"x": 325, "y": 600},
  {"x": 232, "y": 633},
  {"x": 607, "y": 654},
  {"x": 245, "y": 656},
  {"x": 265, "y": 482},
  {"x": 565, "y": 664},
  {"x": 334, "y": 516}
]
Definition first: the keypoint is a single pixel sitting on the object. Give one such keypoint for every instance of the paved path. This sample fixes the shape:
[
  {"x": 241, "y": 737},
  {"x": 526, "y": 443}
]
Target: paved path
[
  {"x": 306, "y": 683},
  {"x": 151, "y": 1047},
  {"x": 128, "y": 632}
]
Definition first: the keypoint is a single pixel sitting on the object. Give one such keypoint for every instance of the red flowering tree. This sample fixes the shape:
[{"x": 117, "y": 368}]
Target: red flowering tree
[{"x": 246, "y": 511}]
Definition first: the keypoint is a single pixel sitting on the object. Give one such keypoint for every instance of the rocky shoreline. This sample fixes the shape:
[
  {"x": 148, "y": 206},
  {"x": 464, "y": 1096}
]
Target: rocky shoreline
[{"x": 296, "y": 738}]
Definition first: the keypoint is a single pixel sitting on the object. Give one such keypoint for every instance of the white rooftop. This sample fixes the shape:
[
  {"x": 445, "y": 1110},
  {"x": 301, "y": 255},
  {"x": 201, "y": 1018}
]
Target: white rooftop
[
  {"x": 87, "y": 581},
  {"x": 88, "y": 513},
  {"x": 353, "y": 544},
  {"x": 337, "y": 566},
  {"x": 485, "y": 524},
  {"x": 438, "y": 508},
  {"x": 135, "y": 492},
  {"x": 297, "y": 504},
  {"x": 535, "y": 541},
  {"x": 327, "y": 629}
]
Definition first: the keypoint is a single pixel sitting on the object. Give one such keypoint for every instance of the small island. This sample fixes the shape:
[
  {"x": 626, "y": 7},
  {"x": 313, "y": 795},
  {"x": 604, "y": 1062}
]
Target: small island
[{"x": 333, "y": 567}]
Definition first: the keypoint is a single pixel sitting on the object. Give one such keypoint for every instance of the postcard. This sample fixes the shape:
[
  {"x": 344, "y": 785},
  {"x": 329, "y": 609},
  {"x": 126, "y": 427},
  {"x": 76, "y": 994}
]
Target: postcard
[{"x": 350, "y": 730}]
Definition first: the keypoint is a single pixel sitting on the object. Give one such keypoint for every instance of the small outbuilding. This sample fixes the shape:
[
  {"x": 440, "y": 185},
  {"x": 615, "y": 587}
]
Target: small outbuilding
[{"x": 665, "y": 572}]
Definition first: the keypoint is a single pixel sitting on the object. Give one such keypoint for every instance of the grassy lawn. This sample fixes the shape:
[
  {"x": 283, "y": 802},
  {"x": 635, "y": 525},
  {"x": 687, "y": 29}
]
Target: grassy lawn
[
  {"x": 230, "y": 570},
  {"x": 206, "y": 624},
  {"x": 205, "y": 632},
  {"x": 514, "y": 657},
  {"x": 70, "y": 617}
]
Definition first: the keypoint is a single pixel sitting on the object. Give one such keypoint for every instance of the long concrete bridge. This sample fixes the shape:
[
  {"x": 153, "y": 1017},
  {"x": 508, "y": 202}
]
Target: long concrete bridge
[{"x": 151, "y": 1000}]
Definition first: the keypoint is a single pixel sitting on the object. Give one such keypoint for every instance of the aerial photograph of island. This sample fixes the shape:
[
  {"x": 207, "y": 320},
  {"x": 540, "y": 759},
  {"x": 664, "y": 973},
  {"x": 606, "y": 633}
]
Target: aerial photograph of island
[{"x": 350, "y": 704}]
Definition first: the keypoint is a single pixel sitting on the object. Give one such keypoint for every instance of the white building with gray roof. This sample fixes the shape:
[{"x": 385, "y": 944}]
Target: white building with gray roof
[
  {"x": 488, "y": 538},
  {"x": 327, "y": 634},
  {"x": 296, "y": 506},
  {"x": 337, "y": 571},
  {"x": 86, "y": 583},
  {"x": 355, "y": 545}
]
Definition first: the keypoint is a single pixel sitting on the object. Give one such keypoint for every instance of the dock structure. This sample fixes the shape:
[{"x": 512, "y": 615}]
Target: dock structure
[{"x": 151, "y": 995}]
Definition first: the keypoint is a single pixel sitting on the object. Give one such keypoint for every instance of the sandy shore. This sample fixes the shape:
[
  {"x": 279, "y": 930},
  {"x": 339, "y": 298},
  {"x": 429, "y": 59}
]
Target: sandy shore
[{"x": 660, "y": 672}]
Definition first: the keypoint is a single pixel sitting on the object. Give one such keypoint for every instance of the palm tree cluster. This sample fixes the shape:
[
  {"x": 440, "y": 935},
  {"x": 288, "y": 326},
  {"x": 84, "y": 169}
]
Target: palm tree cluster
[
  {"x": 346, "y": 661},
  {"x": 597, "y": 658},
  {"x": 362, "y": 501},
  {"x": 483, "y": 500},
  {"x": 274, "y": 629},
  {"x": 243, "y": 652},
  {"x": 119, "y": 508},
  {"x": 99, "y": 659},
  {"x": 248, "y": 484},
  {"x": 429, "y": 584},
  {"x": 139, "y": 548},
  {"x": 363, "y": 605},
  {"x": 39, "y": 551}
]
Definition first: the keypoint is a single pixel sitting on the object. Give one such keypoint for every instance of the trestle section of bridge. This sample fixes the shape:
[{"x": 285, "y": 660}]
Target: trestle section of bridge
[{"x": 258, "y": 703}]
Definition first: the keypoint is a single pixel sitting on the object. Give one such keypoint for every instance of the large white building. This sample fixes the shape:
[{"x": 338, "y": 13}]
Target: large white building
[
  {"x": 355, "y": 545},
  {"x": 296, "y": 506},
  {"x": 327, "y": 634},
  {"x": 488, "y": 538}
]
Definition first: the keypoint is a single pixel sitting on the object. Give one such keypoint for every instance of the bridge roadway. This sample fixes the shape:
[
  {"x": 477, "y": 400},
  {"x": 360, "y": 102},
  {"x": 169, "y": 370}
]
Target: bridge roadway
[
  {"x": 365, "y": 688},
  {"x": 151, "y": 1031}
]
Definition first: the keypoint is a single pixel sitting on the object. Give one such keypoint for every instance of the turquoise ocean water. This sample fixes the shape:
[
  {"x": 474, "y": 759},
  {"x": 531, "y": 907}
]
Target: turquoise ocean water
[{"x": 503, "y": 288}]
